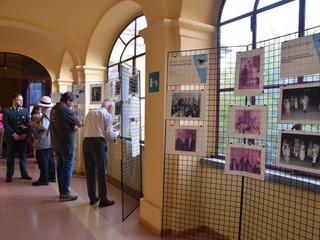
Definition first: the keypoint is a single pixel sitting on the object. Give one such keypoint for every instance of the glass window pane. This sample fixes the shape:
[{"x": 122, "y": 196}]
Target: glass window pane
[
  {"x": 142, "y": 105},
  {"x": 264, "y": 3},
  {"x": 140, "y": 64},
  {"x": 234, "y": 8},
  {"x": 113, "y": 72},
  {"x": 231, "y": 36},
  {"x": 128, "y": 33},
  {"x": 312, "y": 15},
  {"x": 116, "y": 52},
  {"x": 129, "y": 51},
  {"x": 141, "y": 23},
  {"x": 141, "y": 48},
  {"x": 272, "y": 24}
]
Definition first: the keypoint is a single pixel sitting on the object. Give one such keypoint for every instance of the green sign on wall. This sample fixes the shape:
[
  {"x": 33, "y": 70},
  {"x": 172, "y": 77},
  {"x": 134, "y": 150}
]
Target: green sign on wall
[{"x": 154, "y": 82}]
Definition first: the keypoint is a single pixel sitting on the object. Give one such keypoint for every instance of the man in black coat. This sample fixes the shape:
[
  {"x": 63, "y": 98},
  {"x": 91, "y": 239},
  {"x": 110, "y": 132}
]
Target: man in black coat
[{"x": 16, "y": 124}]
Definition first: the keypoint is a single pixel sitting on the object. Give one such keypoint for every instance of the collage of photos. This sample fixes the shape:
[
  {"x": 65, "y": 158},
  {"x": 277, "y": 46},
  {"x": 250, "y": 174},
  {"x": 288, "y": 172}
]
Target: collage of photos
[{"x": 249, "y": 122}]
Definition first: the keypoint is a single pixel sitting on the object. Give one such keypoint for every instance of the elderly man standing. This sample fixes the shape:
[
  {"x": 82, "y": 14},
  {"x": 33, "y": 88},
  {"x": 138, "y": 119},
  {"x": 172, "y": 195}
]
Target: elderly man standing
[
  {"x": 42, "y": 144},
  {"x": 98, "y": 128},
  {"x": 64, "y": 125}
]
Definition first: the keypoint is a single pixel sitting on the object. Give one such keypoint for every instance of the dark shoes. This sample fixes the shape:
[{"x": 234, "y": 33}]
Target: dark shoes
[
  {"x": 52, "y": 180},
  {"x": 8, "y": 180},
  {"x": 102, "y": 203},
  {"x": 105, "y": 203},
  {"x": 26, "y": 177},
  {"x": 68, "y": 197},
  {"x": 94, "y": 200},
  {"x": 39, "y": 183}
]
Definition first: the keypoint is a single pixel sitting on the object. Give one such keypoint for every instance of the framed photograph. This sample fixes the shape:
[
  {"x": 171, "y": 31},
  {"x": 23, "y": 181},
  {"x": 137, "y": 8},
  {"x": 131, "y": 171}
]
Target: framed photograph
[
  {"x": 248, "y": 121},
  {"x": 299, "y": 150},
  {"x": 186, "y": 140},
  {"x": 299, "y": 103},
  {"x": 245, "y": 160},
  {"x": 249, "y": 73},
  {"x": 95, "y": 93},
  {"x": 134, "y": 84},
  {"x": 186, "y": 105}
]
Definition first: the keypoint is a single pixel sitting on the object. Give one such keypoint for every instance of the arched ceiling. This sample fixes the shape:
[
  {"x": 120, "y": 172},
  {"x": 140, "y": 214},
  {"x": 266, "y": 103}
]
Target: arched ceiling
[{"x": 85, "y": 30}]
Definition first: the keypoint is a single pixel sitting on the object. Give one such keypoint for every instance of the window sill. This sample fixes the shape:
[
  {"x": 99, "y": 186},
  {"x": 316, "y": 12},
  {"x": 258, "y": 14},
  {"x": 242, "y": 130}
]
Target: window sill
[{"x": 276, "y": 176}]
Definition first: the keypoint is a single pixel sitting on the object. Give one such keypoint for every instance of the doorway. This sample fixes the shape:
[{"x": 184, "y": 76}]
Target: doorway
[{"x": 21, "y": 74}]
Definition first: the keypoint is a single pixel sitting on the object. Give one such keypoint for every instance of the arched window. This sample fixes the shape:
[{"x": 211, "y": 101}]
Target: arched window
[
  {"x": 130, "y": 49},
  {"x": 251, "y": 21},
  {"x": 254, "y": 24}
]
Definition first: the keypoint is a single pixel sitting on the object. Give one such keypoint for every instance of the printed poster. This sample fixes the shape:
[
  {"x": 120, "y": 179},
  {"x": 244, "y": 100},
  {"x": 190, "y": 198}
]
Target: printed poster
[
  {"x": 187, "y": 69},
  {"x": 79, "y": 93},
  {"x": 300, "y": 56}
]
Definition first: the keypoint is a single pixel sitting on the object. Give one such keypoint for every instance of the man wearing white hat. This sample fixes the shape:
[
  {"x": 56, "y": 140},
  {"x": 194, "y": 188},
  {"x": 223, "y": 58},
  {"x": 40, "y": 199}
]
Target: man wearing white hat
[{"x": 42, "y": 144}]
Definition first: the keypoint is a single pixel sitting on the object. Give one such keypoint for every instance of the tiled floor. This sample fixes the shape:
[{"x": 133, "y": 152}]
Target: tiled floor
[{"x": 34, "y": 212}]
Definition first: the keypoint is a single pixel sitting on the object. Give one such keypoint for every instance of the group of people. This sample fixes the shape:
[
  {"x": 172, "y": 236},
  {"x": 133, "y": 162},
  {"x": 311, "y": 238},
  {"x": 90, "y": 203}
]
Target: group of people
[
  {"x": 297, "y": 149},
  {"x": 185, "y": 144},
  {"x": 185, "y": 107},
  {"x": 247, "y": 126},
  {"x": 245, "y": 164},
  {"x": 249, "y": 74},
  {"x": 293, "y": 102},
  {"x": 54, "y": 128}
]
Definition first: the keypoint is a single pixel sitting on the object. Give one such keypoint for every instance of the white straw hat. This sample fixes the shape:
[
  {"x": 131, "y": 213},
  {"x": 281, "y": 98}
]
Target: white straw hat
[{"x": 45, "y": 102}]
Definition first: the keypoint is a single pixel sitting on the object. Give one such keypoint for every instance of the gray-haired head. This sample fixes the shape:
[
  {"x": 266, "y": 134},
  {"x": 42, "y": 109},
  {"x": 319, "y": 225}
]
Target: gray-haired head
[{"x": 106, "y": 103}]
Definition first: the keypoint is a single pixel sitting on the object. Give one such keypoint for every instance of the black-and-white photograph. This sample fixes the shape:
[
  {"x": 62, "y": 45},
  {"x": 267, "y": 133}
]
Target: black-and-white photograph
[
  {"x": 245, "y": 160},
  {"x": 249, "y": 73},
  {"x": 248, "y": 121},
  {"x": 118, "y": 108},
  {"x": 186, "y": 104},
  {"x": 133, "y": 84},
  {"x": 117, "y": 88},
  {"x": 95, "y": 93},
  {"x": 300, "y": 103},
  {"x": 299, "y": 150},
  {"x": 190, "y": 140}
]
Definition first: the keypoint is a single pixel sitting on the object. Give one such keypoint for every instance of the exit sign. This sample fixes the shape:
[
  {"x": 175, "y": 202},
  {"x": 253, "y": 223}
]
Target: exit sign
[{"x": 154, "y": 82}]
